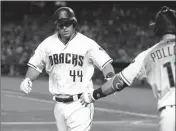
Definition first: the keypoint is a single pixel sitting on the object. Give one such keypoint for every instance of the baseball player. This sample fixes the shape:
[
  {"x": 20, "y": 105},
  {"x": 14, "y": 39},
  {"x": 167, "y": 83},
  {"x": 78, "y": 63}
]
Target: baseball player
[
  {"x": 156, "y": 65},
  {"x": 69, "y": 59}
]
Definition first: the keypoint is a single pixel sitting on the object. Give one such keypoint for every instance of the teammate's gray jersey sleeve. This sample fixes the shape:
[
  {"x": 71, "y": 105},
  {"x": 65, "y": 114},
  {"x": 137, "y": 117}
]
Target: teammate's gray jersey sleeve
[
  {"x": 37, "y": 61},
  {"x": 98, "y": 56},
  {"x": 135, "y": 70}
]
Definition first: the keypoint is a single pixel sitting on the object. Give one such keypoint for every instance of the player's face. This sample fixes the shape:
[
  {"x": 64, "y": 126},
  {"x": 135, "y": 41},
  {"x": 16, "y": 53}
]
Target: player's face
[{"x": 65, "y": 28}]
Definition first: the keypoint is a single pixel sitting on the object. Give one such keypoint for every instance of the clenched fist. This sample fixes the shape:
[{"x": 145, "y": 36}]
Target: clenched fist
[
  {"x": 87, "y": 98},
  {"x": 26, "y": 85}
]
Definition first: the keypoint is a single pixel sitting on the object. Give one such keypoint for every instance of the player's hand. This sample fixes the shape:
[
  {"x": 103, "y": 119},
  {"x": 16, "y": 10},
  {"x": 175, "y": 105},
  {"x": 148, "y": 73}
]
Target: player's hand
[
  {"x": 87, "y": 98},
  {"x": 26, "y": 85}
]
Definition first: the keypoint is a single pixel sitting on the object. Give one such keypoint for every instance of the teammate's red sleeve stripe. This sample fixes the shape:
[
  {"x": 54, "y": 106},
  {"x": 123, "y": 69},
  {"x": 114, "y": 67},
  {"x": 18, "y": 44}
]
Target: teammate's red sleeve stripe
[{"x": 126, "y": 81}]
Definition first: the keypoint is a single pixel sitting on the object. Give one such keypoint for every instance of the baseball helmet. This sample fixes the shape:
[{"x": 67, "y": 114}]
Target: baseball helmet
[
  {"x": 165, "y": 21},
  {"x": 64, "y": 14}
]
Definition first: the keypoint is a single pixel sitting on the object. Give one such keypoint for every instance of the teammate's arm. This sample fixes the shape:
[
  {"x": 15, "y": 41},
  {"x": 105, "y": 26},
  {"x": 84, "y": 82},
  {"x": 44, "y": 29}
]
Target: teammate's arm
[
  {"x": 111, "y": 86},
  {"x": 116, "y": 83},
  {"x": 121, "y": 80}
]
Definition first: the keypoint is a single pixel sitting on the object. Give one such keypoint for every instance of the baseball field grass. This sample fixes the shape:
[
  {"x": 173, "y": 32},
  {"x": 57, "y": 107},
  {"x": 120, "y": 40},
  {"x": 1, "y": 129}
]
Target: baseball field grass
[{"x": 133, "y": 109}]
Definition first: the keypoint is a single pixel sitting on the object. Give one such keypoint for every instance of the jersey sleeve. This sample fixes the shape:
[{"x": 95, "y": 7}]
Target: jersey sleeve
[
  {"x": 98, "y": 56},
  {"x": 135, "y": 71},
  {"x": 37, "y": 61}
]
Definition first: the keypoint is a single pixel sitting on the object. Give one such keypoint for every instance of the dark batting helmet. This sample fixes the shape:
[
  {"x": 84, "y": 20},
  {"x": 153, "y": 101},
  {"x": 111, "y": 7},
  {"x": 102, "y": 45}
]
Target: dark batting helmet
[
  {"x": 64, "y": 14},
  {"x": 165, "y": 21}
]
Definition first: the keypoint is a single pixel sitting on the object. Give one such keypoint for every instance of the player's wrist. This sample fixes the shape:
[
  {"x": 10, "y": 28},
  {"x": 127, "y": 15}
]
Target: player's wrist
[
  {"x": 97, "y": 94},
  {"x": 27, "y": 78},
  {"x": 29, "y": 81}
]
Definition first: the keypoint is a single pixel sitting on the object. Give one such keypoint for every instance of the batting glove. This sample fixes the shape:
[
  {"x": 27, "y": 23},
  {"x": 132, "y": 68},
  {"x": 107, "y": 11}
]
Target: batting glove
[
  {"x": 26, "y": 85},
  {"x": 87, "y": 97}
]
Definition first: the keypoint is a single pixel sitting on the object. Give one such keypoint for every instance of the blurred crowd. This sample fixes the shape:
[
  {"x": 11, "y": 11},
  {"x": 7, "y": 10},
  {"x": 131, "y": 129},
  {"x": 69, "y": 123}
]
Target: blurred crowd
[{"x": 123, "y": 33}]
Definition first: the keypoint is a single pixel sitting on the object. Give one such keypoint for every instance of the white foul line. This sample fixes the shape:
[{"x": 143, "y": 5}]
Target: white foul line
[
  {"x": 22, "y": 96},
  {"x": 140, "y": 123}
]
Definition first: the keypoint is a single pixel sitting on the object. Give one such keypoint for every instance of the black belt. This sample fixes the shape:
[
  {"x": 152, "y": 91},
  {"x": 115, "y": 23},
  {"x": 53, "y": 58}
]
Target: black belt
[
  {"x": 69, "y": 99},
  {"x": 164, "y": 107}
]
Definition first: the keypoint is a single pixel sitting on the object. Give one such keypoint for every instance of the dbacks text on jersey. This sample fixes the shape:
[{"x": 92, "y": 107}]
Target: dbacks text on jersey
[{"x": 66, "y": 58}]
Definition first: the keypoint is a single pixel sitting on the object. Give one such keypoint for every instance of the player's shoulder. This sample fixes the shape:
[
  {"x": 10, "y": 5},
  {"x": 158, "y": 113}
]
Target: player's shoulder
[
  {"x": 157, "y": 46},
  {"x": 146, "y": 55},
  {"x": 143, "y": 54},
  {"x": 48, "y": 40},
  {"x": 147, "y": 52},
  {"x": 86, "y": 39},
  {"x": 152, "y": 48}
]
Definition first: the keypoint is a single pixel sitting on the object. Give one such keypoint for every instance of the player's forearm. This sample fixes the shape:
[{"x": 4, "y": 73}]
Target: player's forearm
[
  {"x": 104, "y": 90},
  {"x": 32, "y": 74},
  {"x": 108, "y": 71},
  {"x": 111, "y": 86}
]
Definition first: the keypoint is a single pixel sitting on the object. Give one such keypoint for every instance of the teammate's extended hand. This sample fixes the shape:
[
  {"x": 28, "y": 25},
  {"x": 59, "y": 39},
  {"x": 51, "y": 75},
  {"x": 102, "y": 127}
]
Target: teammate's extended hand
[
  {"x": 87, "y": 98},
  {"x": 26, "y": 85}
]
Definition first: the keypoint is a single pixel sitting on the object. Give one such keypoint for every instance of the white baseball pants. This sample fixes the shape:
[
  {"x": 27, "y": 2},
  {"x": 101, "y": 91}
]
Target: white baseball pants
[
  {"x": 73, "y": 116},
  {"x": 167, "y": 119}
]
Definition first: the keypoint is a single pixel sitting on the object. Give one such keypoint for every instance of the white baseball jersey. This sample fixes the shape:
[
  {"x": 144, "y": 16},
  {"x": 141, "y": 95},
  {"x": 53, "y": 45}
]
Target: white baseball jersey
[
  {"x": 70, "y": 67},
  {"x": 157, "y": 66}
]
